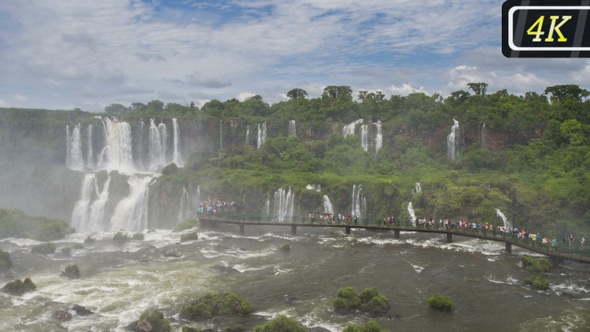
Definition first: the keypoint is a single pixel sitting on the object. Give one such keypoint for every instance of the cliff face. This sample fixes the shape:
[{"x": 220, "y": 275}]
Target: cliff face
[{"x": 48, "y": 159}]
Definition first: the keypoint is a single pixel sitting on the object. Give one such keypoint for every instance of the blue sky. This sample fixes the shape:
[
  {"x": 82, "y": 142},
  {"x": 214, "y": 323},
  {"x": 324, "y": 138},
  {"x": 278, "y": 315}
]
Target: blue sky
[{"x": 65, "y": 54}]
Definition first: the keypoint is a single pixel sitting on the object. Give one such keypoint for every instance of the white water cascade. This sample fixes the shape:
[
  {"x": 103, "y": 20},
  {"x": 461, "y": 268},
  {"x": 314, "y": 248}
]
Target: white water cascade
[
  {"x": 88, "y": 214},
  {"x": 349, "y": 129},
  {"x": 365, "y": 137},
  {"x": 359, "y": 202},
  {"x": 283, "y": 205},
  {"x": 412, "y": 215},
  {"x": 418, "y": 189},
  {"x": 247, "y": 134},
  {"x": 328, "y": 205},
  {"x": 292, "y": 128},
  {"x": 453, "y": 141},
  {"x": 261, "y": 134},
  {"x": 157, "y": 145},
  {"x": 176, "y": 157},
  {"x": 131, "y": 212},
  {"x": 378, "y": 137},
  {"x": 74, "y": 158},
  {"x": 116, "y": 154},
  {"x": 507, "y": 225},
  {"x": 90, "y": 156}
]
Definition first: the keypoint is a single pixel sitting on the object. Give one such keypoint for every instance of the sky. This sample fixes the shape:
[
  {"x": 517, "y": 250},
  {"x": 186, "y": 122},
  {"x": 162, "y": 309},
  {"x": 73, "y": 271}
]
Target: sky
[{"x": 88, "y": 54}]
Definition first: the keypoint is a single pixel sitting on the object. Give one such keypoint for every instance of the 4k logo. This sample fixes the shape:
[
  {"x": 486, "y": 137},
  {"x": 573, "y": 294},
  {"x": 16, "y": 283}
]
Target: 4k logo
[{"x": 548, "y": 30}]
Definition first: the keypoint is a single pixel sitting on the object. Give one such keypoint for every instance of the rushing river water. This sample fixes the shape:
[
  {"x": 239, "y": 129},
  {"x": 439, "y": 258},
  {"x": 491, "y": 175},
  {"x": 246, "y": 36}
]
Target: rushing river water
[{"x": 119, "y": 281}]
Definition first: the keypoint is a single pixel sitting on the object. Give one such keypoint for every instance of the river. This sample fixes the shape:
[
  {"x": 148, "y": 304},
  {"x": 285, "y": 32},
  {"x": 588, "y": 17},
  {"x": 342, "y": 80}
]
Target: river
[{"x": 119, "y": 281}]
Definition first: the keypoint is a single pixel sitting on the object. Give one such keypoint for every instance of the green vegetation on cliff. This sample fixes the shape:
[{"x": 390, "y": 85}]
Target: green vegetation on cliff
[{"x": 15, "y": 223}]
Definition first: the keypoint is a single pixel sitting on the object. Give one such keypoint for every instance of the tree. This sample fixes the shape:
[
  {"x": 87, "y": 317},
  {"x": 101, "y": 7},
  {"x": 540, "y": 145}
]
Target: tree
[
  {"x": 115, "y": 109},
  {"x": 156, "y": 105},
  {"x": 342, "y": 92},
  {"x": 478, "y": 88},
  {"x": 376, "y": 96},
  {"x": 296, "y": 93},
  {"x": 560, "y": 93}
]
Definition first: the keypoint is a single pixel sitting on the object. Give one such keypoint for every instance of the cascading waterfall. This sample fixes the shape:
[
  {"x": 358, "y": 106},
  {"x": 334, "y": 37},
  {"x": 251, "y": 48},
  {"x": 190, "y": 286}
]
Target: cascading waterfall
[
  {"x": 328, "y": 205},
  {"x": 198, "y": 196},
  {"x": 418, "y": 189},
  {"x": 74, "y": 159},
  {"x": 116, "y": 154},
  {"x": 88, "y": 214},
  {"x": 176, "y": 157},
  {"x": 131, "y": 212},
  {"x": 350, "y": 128},
  {"x": 247, "y": 134},
  {"x": 157, "y": 146},
  {"x": 261, "y": 134},
  {"x": 365, "y": 137},
  {"x": 359, "y": 202},
  {"x": 292, "y": 128},
  {"x": 378, "y": 137},
  {"x": 412, "y": 215},
  {"x": 283, "y": 204},
  {"x": 507, "y": 225},
  {"x": 453, "y": 141}
]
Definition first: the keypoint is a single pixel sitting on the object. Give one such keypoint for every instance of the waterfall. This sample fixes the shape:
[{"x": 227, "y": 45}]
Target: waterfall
[
  {"x": 292, "y": 128},
  {"x": 176, "y": 157},
  {"x": 359, "y": 202},
  {"x": 185, "y": 209},
  {"x": 261, "y": 134},
  {"x": 90, "y": 157},
  {"x": 74, "y": 158},
  {"x": 157, "y": 146},
  {"x": 283, "y": 204},
  {"x": 80, "y": 215},
  {"x": 327, "y": 205},
  {"x": 131, "y": 212},
  {"x": 198, "y": 196},
  {"x": 418, "y": 189},
  {"x": 268, "y": 207},
  {"x": 412, "y": 215},
  {"x": 453, "y": 141},
  {"x": 247, "y": 134},
  {"x": 316, "y": 187},
  {"x": 349, "y": 128},
  {"x": 116, "y": 155},
  {"x": 378, "y": 137},
  {"x": 507, "y": 225},
  {"x": 365, "y": 137},
  {"x": 88, "y": 214}
]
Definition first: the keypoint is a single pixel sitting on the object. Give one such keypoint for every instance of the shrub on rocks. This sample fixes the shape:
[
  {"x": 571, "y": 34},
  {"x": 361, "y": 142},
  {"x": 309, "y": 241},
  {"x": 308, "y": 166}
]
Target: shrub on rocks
[
  {"x": 19, "y": 287},
  {"x": 186, "y": 224},
  {"x": 538, "y": 265},
  {"x": 150, "y": 321},
  {"x": 212, "y": 305},
  {"x": 138, "y": 236},
  {"x": 189, "y": 237},
  {"x": 281, "y": 324},
  {"x": 71, "y": 272},
  {"x": 369, "y": 301},
  {"x": 44, "y": 248},
  {"x": 121, "y": 237},
  {"x": 537, "y": 282},
  {"x": 440, "y": 302},
  {"x": 371, "y": 326}
]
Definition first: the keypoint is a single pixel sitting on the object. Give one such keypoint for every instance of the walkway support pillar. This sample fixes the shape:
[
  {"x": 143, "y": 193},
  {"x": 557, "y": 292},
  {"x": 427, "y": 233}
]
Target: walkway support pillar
[
  {"x": 396, "y": 233},
  {"x": 242, "y": 229},
  {"x": 508, "y": 247},
  {"x": 347, "y": 230},
  {"x": 449, "y": 237},
  {"x": 293, "y": 229}
]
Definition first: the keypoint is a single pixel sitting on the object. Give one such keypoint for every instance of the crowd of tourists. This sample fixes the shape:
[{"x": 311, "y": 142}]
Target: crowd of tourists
[
  {"x": 332, "y": 218},
  {"x": 214, "y": 206}
]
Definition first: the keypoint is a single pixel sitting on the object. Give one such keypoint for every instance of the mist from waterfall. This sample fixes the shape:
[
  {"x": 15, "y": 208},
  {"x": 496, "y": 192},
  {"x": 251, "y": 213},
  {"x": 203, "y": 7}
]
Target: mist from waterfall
[
  {"x": 453, "y": 140},
  {"x": 184, "y": 211},
  {"x": 292, "y": 128},
  {"x": 261, "y": 135},
  {"x": 284, "y": 205}
]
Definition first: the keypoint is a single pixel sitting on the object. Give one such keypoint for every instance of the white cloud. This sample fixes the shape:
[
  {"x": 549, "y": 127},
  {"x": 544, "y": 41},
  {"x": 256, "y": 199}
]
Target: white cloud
[
  {"x": 406, "y": 89},
  {"x": 245, "y": 95},
  {"x": 20, "y": 98}
]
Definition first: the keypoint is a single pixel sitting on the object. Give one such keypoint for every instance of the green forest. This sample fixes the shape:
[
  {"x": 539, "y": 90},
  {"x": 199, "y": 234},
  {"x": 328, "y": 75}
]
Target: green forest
[{"x": 527, "y": 155}]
